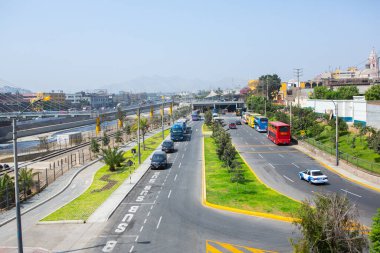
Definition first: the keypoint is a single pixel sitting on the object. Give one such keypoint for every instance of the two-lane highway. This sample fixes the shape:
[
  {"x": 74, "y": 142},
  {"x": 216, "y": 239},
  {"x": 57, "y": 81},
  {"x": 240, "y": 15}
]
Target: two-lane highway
[
  {"x": 278, "y": 166},
  {"x": 164, "y": 213}
]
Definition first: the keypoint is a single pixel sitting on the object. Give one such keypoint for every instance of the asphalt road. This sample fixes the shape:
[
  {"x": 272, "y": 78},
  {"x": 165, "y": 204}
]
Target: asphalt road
[
  {"x": 164, "y": 213},
  {"x": 278, "y": 166}
]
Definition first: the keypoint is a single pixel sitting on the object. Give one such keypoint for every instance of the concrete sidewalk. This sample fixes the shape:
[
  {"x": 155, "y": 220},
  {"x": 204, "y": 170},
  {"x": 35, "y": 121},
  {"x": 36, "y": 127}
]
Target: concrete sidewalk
[{"x": 344, "y": 169}]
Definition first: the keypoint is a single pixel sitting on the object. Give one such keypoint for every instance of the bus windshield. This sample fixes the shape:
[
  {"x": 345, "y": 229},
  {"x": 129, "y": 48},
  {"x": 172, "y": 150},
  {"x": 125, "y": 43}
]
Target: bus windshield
[
  {"x": 284, "y": 129},
  {"x": 263, "y": 120}
]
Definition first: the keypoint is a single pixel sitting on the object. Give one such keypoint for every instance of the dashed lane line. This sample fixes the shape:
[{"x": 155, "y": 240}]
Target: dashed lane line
[
  {"x": 351, "y": 193},
  {"x": 271, "y": 165},
  {"x": 170, "y": 192},
  {"x": 296, "y": 165},
  {"x": 281, "y": 155},
  {"x": 159, "y": 222},
  {"x": 288, "y": 179},
  {"x": 145, "y": 221},
  {"x": 141, "y": 229},
  {"x": 179, "y": 166},
  {"x": 175, "y": 178},
  {"x": 261, "y": 156},
  {"x": 148, "y": 214},
  {"x": 131, "y": 248}
]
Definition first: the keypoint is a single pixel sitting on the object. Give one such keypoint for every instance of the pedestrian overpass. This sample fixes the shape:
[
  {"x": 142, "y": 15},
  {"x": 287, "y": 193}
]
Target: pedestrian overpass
[{"x": 219, "y": 105}]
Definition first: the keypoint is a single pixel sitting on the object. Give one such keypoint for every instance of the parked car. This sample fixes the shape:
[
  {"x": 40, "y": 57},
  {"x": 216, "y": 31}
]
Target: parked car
[
  {"x": 232, "y": 125},
  {"x": 238, "y": 122},
  {"x": 215, "y": 115},
  {"x": 313, "y": 176},
  {"x": 167, "y": 146},
  {"x": 159, "y": 160}
]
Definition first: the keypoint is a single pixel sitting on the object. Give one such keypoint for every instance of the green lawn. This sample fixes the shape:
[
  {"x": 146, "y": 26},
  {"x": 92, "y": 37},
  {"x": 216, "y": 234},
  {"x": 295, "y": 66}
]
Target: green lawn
[
  {"x": 368, "y": 158},
  {"x": 83, "y": 206},
  {"x": 251, "y": 196}
]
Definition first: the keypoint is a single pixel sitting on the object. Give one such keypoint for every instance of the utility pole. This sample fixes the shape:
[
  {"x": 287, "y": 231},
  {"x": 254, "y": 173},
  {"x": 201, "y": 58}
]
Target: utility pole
[
  {"x": 138, "y": 135},
  {"x": 336, "y": 134},
  {"x": 267, "y": 98},
  {"x": 298, "y": 73},
  {"x": 290, "y": 118},
  {"x": 17, "y": 197},
  {"x": 162, "y": 117}
]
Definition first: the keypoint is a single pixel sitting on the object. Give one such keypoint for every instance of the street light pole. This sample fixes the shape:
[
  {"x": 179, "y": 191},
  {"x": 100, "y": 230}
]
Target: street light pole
[
  {"x": 290, "y": 118},
  {"x": 17, "y": 197},
  {"x": 162, "y": 117},
  {"x": 336, "y": 134},
  {"x": 138, "y": 135}
]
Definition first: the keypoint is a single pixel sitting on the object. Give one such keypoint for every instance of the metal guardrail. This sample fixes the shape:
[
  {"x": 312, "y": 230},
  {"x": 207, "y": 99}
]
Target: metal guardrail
[{"x": 356, "y": 161}]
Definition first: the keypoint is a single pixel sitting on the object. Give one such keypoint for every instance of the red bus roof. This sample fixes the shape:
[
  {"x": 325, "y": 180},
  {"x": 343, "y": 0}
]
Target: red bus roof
[{"x": 278, "y": 123}]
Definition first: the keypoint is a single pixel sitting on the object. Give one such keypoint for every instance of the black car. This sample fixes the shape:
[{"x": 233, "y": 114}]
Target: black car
[
  {"x": 238, "y": 122},
  {"x": 168, "y": 146},
  {"x": 159, "y": 160}
]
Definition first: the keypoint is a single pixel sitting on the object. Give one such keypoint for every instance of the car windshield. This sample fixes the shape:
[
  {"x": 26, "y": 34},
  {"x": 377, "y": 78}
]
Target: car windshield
[
  {"x": 158, "y": 158},
  {"x": 167, "y": 144},
  {"x": 317, "y": 173}
]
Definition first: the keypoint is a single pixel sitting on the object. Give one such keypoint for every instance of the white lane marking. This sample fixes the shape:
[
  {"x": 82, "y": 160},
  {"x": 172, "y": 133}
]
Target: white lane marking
[
  {"x": 179, "y": 166},
  {"x": 151, "y": 207},
  {"x": 159, "y": 221},
  {"x": 196, "y": 130},
  {"x": 183, "y": 155},
  {"x": 145, "y": 221},
  {"x": 137, "y": 237},
  {"x": 296, "y": 165},
  {"x": 175, "y": 178},
  {"x": 281, "y": 155},
  {"x": 288, "y": 179},
  {"x": 170, "y": 192},
  {"x": 142, "y": 227},
  {"x": 272, "y": 165},
  {"x": 131, "y": 249},
  {"x": 148, "y": 214},
  {"x": 159, "y": 192},
  {"x": 163, "y": 183},
  {"x": 271, "y": 149},
  {"x": 157, "y": 197},
  {"x": 261, "y": 156},
  {"x": 351, "y": 193}
]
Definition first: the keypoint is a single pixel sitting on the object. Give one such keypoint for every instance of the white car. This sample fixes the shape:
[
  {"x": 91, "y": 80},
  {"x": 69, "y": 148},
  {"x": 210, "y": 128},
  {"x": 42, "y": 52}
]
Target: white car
[{"x": 313, "y": 176}]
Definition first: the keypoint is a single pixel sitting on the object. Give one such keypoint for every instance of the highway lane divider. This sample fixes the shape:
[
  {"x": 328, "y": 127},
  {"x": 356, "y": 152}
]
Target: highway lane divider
[{"x": 264, "y": 187}]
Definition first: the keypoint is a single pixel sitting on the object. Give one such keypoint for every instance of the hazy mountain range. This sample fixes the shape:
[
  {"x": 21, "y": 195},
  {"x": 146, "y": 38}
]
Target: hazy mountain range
[
  {"x": 7, "y": 89},
  {"x": 172, "y": 84}
]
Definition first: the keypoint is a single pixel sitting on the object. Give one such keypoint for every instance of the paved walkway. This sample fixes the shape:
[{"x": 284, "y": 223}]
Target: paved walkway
[{"x": 344, "y": 170}]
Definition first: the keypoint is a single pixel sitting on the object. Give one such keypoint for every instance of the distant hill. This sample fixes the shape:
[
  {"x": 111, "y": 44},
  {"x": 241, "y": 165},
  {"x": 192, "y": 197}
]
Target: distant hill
[
  {"x": 168, "y": 84},
  {"x": 7, "y": 89}
]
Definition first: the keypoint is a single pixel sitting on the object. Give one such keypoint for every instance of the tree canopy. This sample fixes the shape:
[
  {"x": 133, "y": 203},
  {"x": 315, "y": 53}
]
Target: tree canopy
[{"x": 373, "y": 93}]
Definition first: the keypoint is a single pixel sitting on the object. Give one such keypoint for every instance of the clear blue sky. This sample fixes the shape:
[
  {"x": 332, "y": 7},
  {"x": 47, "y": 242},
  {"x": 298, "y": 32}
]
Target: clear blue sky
[{"x": 74, "y": 45}]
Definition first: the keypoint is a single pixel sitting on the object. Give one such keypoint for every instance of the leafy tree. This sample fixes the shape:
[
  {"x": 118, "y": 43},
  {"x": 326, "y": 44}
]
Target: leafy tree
[
  {"x": 373, "y": 93},
  {"x": 94, "y": 146},
  {"x": 332, "y": 226},
  {"x": 26, "y": 180},
  {"x": 238, "y": 176},
  {"x": 347, "y": 92},
  {"x": 374, "y": 141},
  {"x": 315, "y": 130},
  {"x": 374, "y": 235},
  {"x": 105, "y": 139},
  {"x": 208, "y": 117},
  {"x": 342, "y": 125},
  {"x": 353, "y": 142},
  {"x": 229, "y": 154},
  {"x": 274, "y": 84},
  {"x": 127, "y": 129},
  {"x": 118, "y": 137},
  {"x": 320, "y": 92}
]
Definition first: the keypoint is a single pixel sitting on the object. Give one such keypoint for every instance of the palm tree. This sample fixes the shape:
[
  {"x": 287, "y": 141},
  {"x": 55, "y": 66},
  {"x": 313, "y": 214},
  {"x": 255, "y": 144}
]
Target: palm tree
[
  {"x": 6, "y": 190},
  {"x": 26, "y": 180},
  {"x": 118, "y": 137},
  {"x": 144, "y": 126},
  {"x": 113, "y": 157}
]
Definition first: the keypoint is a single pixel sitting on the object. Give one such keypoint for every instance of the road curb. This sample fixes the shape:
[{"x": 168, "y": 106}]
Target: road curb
[
  {"x": 51, "y": 197},
  {"x": 340, "y": 174},
  {"x": 61, "y": 222},
  {"x": 236, "y": 210}
]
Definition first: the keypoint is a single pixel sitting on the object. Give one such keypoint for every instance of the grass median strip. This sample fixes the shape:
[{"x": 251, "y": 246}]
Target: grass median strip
[
  {"x": 104, "y": 184},
  {"x": 252, "y": 195}
]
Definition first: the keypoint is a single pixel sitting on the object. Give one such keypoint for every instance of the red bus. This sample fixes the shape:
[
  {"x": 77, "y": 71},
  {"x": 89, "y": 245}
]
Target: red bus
[{"x": 279, "y": 132}]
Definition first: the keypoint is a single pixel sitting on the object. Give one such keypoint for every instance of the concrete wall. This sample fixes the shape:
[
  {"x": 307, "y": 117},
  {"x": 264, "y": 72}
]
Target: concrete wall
[
  {"x": 351, "y": 111},
  {"x": 44, "y": 129}
]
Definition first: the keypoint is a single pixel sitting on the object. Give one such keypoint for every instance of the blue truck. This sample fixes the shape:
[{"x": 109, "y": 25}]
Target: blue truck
[
  {"x": 177, "y": 133},
  {"x": 182, "y": 122}
]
